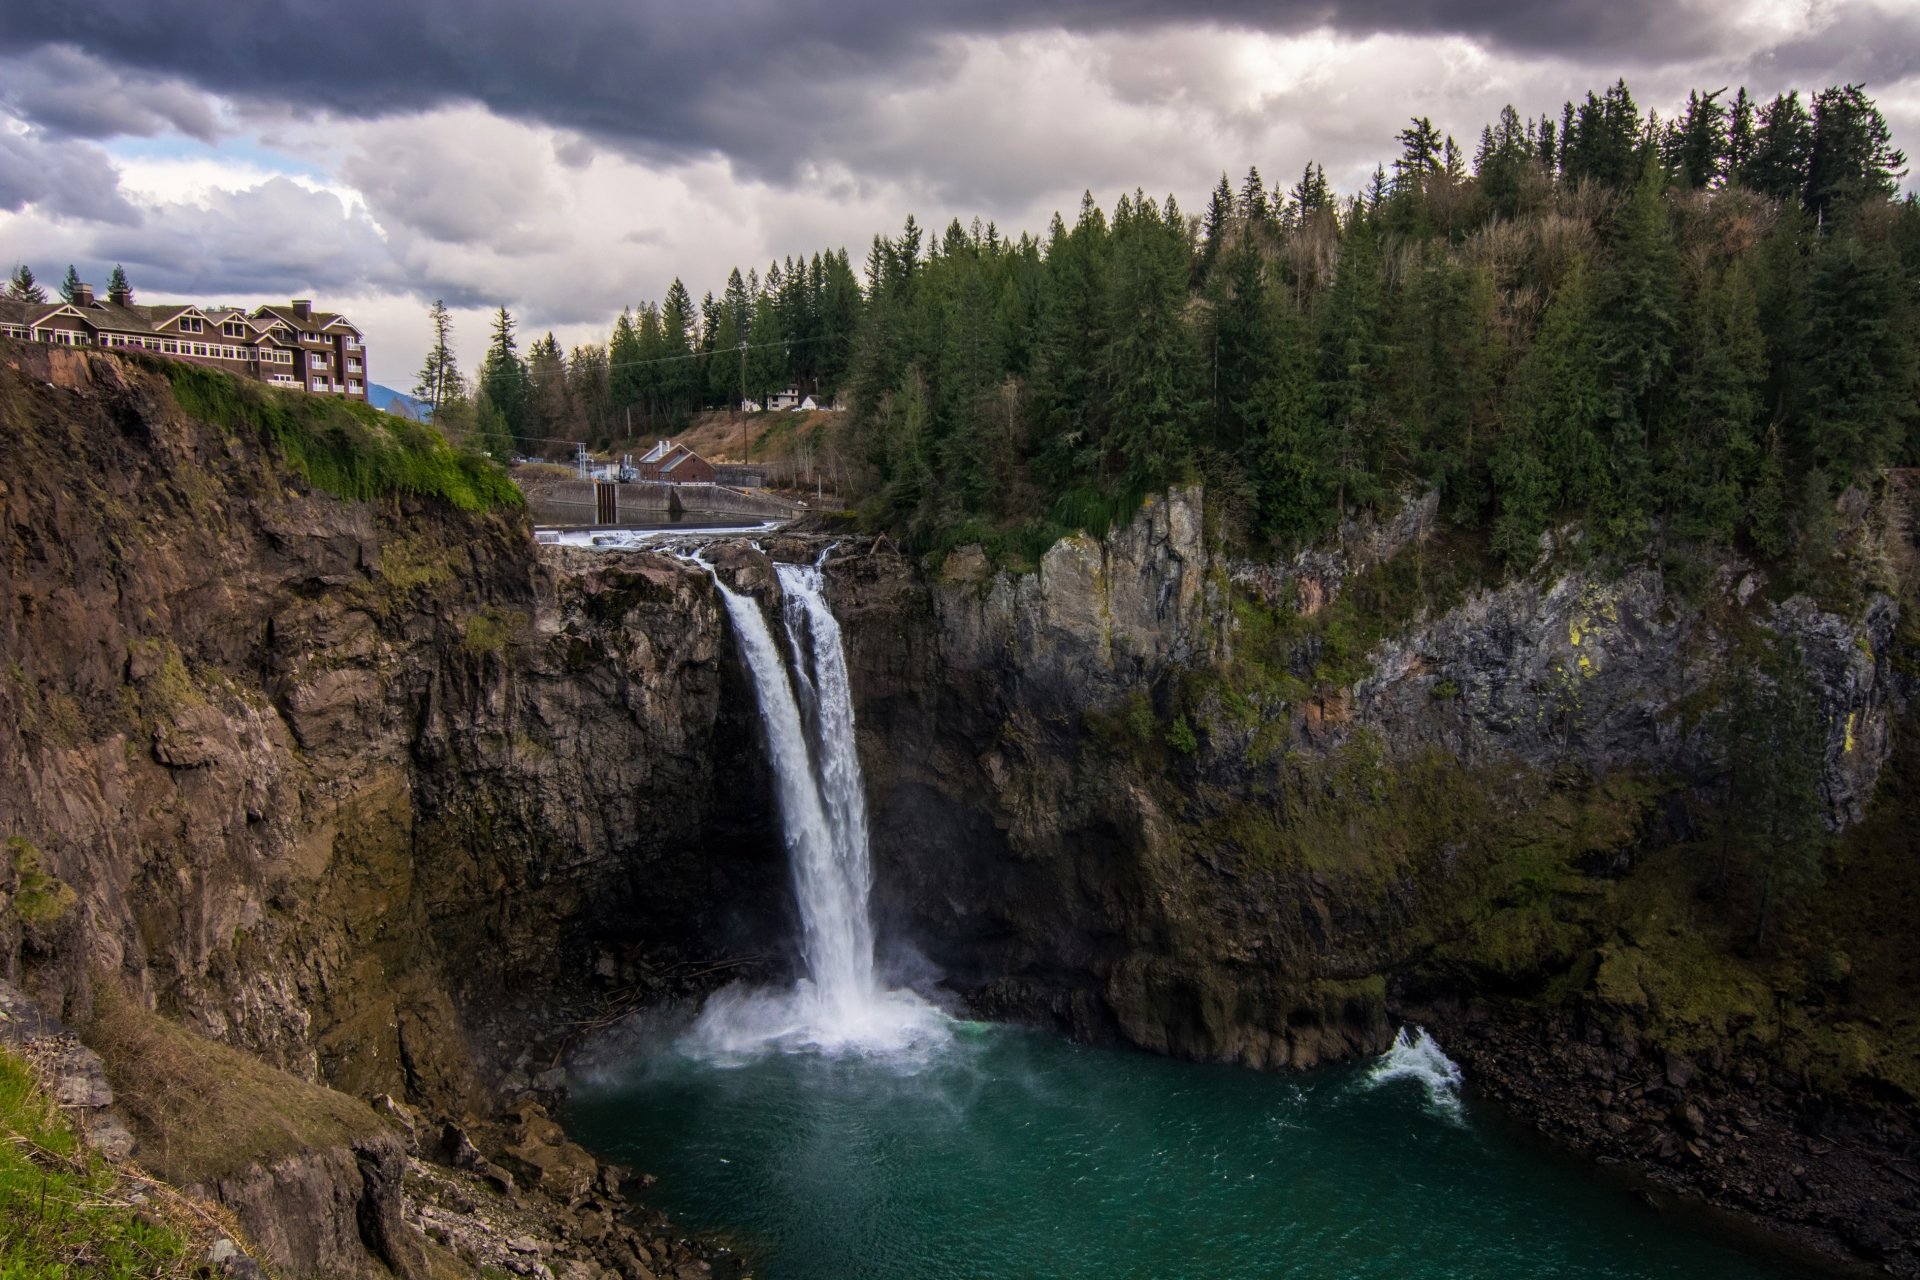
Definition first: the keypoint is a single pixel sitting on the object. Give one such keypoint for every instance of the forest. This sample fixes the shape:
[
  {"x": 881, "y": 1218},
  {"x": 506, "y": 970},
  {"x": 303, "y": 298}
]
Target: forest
[{"x": 1699, "y": 328}]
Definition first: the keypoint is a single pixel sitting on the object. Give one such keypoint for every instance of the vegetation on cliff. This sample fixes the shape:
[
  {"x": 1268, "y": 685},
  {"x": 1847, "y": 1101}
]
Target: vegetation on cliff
[
  {"x": 343, "y": 446},
  {"x": 63, "y": 1211}
]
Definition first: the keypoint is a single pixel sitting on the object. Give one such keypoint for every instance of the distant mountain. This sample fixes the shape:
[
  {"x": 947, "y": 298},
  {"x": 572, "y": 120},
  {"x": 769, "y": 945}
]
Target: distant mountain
[{"x": 397, "y": 402}]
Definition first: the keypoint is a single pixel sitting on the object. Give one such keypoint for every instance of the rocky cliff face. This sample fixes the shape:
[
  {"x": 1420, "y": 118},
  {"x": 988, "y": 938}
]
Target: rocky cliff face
[
  {"x": 372, "y": 791},
  {"x": 1258, "y": 812},
  {"x": 386, "y": 796}
]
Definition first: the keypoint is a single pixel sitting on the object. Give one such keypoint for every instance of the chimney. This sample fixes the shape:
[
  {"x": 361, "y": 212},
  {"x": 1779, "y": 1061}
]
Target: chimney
[
  {"x": 82, "y": 295},
  {"x": 303, "y": 308},
  {"x": 119, "y": 297}
]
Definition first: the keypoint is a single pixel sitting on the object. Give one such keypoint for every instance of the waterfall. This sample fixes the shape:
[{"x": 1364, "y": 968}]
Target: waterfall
[{"x": 840, "y": 1005}]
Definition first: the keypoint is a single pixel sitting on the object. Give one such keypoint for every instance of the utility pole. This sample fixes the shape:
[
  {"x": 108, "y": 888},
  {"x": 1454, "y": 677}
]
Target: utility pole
[{"x": 746, "y": 441}]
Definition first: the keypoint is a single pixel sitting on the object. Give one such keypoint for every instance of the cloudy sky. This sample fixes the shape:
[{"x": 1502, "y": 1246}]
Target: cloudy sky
[{"x": 568, "y": 157}]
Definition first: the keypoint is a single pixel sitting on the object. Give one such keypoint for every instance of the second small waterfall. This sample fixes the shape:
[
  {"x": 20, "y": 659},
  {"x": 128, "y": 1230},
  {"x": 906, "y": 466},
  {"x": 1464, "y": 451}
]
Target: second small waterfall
[{"x": 840, "y": 1005}]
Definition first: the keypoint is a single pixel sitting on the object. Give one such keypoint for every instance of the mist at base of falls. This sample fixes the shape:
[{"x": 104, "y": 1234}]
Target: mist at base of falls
[{"x": 1006, "y": 1153}]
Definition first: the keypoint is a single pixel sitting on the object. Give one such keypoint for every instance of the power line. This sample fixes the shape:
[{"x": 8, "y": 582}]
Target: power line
[{"x": 750, "y": 346}]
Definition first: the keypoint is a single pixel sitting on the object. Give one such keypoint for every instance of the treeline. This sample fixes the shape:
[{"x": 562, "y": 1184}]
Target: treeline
[
  {"x": 662, "y": 362},
  {"x": 1700, "y": 327}
]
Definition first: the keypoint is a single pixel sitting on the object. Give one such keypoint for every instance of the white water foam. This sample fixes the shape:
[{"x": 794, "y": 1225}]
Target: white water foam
[
  {"x": 840, "y": 1006},
  {"x": 1415, "y": 1055}
]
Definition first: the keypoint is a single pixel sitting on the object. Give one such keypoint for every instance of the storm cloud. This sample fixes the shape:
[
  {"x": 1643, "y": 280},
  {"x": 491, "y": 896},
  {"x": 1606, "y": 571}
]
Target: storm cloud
[{"x": 776, "y": 84}]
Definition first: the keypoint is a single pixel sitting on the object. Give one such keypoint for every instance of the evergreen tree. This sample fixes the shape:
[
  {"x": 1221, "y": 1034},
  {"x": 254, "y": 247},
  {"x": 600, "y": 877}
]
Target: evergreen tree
[
  {"x": 1637, "y": 318},
  {"x": 118, "y": 284},
  {"x": 766, "y": 350},
  {"x": 1600, "y": 139},
  {"x": 677, "y": 378},
  {"x": 1311, "y": 195},
  {"x": 590, "y": 393},
  {"x": 624, "y": 374},
  {"x": 1503, "y": 161},
  {"x": 1253, "y": 207},
  {"x": 1852, "y": 159},
  {"x": 1709, "y": 451},
  {"x": 1213, "y": 227},
  {"x": 1551, "y": 450},
  {"x": 440, "y": 380},
  {"x": 22, "y": 288},
  {"x": 1353, "y": 361},
  {"x": 1782, "y": 149},
  {"x": 548, "y": 414},
  {"x": 1702, "y": 140},
  {"x": 1295, "y": 478},
  {"x": 1420, "y": 153},
  {"x": 1069, "y": 392},
  {"x": 1855, "y": 374},
  {"x": 503, "y": 379},
  {"x": 1741, "y": 139},
  {"x": 726, "y": 371},
  {"x": 70, "y": 285},
  {"x": 1153, "y": 403}
]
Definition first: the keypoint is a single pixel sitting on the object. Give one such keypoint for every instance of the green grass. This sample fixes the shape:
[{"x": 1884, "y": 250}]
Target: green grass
[
  {"x": 61, "y": 1209},
  {"x": 345, "y": 447}
]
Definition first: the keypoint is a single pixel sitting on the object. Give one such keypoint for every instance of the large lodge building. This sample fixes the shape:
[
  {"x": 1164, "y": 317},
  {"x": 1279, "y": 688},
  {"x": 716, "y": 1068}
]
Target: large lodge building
[{"x": 286, "y": 346}]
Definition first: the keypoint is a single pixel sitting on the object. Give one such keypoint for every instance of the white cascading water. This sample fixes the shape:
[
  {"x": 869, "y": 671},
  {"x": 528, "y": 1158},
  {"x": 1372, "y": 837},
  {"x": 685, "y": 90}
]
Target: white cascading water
[{"x": 840, "y": 1006}]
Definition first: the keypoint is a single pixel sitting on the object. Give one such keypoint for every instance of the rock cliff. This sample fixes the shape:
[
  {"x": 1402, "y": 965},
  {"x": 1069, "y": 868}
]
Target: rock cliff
[{"x": 398, "y": 803}]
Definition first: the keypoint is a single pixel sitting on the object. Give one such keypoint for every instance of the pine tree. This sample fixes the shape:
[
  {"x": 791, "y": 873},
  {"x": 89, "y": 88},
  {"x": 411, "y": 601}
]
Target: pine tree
[
  {"x": 1213, "y": 227},
  {"x": 440, "y": 380},
  {"x": 1740, "y": 138},
  {"x": 1708, "y": 449},
  {"x": 623, "y": 365},
  {"x": 1253, "y": 206},
  {"x": 1293, "y": 464},
  {"x": 1502, "y": 163},
  {"x": 118, "y": 285},
  {"x": 1151, "y": 356},
  {"x": 1782, "y": 149},
  {"x": 1353, "y": 361},
  {"x": 1637, "y": 319},
  {"x": 549, "y": 414},
  {"x": 725, "y": 369},
  {"x": 70, "y": 285},
  {"x": 503, "y": 379},
  {"x": 1551, "y": 452},
  {"x": 1852, "y": 159},
  {"x": 676, "y": 376},
  {"x": 1855, "y": 374},
  {"x": 766, "y": 350},
  {"x": 21, "y": 286},
  {"x": 1420, "y": 153},
  {"x": 1701, "y": 139}
]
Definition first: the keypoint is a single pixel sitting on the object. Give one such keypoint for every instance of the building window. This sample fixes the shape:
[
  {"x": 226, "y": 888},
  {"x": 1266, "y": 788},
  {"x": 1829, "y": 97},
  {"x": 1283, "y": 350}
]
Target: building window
[
  {"x": 353, "y": 365},
  {"x": 316, "y": 361}
]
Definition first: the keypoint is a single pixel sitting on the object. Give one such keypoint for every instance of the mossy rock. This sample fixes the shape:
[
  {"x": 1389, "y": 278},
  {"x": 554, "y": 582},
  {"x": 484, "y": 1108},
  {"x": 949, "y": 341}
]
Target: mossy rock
[{"x": 40, "y": 899}]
